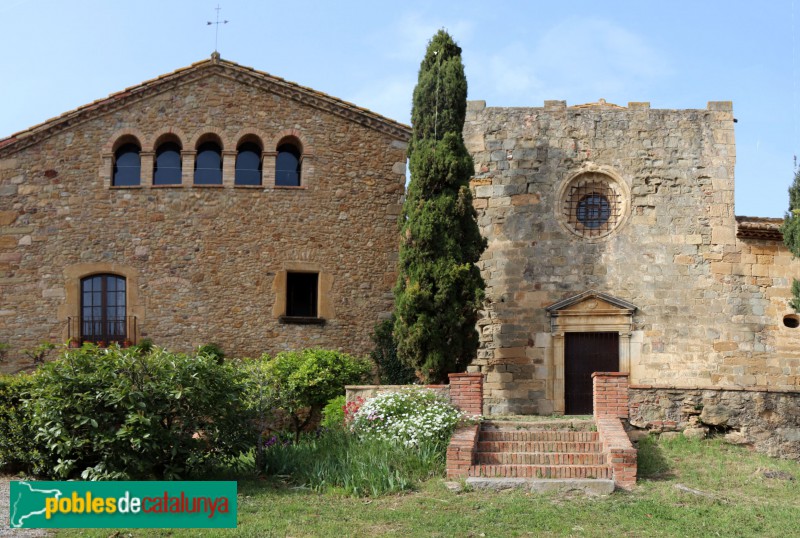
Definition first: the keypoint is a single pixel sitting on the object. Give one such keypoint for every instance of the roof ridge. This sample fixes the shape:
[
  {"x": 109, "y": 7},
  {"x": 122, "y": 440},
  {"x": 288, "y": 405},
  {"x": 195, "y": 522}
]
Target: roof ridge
[{"x": 318, "y": 99}]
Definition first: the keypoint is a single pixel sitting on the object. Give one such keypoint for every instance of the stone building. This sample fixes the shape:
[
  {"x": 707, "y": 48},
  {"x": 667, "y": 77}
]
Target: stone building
[
  {"x": 613, "y": 245},
  {"x": 215, "y": 204}
]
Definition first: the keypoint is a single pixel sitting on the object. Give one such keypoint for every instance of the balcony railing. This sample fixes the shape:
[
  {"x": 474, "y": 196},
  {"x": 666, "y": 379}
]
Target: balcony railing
[{"x": 102, "y": 330}]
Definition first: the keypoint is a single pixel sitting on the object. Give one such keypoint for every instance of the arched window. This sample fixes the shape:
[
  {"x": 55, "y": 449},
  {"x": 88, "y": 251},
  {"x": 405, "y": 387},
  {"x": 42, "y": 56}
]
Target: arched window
[
  {"x": 167, "y": 168},
  {"x": 208, "y": 164},
  {"x": 103, "y": 309},
  {"x": 248, "y": 164},
  {"x": 287, "y": 165},
  {"x": 127, "y": 166}
]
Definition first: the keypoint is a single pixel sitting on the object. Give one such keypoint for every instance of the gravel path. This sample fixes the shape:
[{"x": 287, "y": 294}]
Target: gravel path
[{"x": 4, "y": 513}]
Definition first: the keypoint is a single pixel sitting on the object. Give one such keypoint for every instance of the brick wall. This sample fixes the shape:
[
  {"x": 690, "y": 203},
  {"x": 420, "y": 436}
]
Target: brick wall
[
  {"x": 610, "y": 395},
  {"x": 610, "y": 406},
  {"x": 461, "y": 450},
  {"x": 466, "y": 392}
]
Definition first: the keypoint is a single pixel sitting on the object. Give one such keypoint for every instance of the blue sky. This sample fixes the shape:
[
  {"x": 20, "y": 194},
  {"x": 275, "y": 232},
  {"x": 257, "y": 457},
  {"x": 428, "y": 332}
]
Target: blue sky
[{"x": 59, "y": 55}]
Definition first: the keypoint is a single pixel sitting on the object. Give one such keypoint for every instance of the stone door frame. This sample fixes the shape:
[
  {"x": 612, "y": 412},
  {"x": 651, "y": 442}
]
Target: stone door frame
[{"x": 591, "y": 311}]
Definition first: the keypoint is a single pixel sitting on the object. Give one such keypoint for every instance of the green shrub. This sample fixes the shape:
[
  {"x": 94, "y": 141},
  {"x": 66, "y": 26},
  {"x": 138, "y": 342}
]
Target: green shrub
[
  {"x": 259, "y": 399},
  {"x": 18, "y": 452},
  {"x": 339, "y": 461},
  {"x": 300, "y": 383},
  {"x": 145, "y": 345},
  {"x": 333, "y": 413},
  {"x": 391, "y": 370},
  {"x": 38, "y": 353},
  {"x": 115, "y": 413},
  {"x": 410, "y": 417},
  {"x": 213, "y": 350}
]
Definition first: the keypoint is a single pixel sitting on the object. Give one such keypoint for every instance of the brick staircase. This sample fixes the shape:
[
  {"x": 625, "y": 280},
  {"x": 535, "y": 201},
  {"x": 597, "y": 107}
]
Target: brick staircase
[
  {"x": 553, "y": 449},
  {"x": 593, "y": 455}
]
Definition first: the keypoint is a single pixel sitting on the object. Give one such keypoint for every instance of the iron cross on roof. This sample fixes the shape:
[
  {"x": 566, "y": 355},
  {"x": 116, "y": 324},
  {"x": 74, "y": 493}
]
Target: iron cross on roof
[{"x": 216, "y": 27}]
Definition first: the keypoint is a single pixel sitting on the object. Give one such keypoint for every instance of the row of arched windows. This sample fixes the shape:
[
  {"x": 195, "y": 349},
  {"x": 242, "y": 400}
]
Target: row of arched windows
[{"x": 168, "y": 163}]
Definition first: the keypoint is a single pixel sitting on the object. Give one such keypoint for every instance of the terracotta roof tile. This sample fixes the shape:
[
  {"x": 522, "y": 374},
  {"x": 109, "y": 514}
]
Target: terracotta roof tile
[{"x": 767, "y": 228}]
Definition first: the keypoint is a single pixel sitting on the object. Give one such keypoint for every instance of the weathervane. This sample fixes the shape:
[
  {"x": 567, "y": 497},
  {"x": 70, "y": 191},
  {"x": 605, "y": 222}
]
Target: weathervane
[{"x": 216, "y": 27}]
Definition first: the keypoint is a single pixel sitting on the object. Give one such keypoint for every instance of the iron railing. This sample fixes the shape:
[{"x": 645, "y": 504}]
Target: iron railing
[{"x": 102, "y": 330}]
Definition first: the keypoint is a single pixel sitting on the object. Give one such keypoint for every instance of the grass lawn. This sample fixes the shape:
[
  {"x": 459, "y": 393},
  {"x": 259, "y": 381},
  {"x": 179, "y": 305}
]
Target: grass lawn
[{"x": 739, "y": 500}]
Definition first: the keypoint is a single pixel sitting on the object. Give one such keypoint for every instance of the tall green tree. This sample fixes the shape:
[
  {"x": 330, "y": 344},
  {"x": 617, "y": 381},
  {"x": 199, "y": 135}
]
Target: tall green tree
[
  {"x": 791, "y": 233},
  {"x": 439, "y": 288}
]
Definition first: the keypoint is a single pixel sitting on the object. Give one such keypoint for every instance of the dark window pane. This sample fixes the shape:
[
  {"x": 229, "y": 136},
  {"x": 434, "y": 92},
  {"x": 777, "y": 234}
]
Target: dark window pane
[
  {"x": 248, "y": 164},
  {"x": 127, "y": 166},
  {"x": 287, "y": 166},
  {"x": 593, "y": 210},
  {"x": 167, "y": 169},
  {"x": 301, "y": 294},
  {"x": 103, "y": 312},
  {"x": 208, "y": 165}
]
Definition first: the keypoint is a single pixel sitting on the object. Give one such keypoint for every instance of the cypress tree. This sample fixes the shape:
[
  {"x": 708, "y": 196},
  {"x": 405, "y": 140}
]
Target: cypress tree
[
  {"x": 439, "y": 288},
  {"x": 791, "y": 233}
]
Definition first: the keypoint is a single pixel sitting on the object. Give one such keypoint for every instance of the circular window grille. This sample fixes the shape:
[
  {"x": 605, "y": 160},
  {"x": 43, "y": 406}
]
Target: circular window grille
[{"x": 593, "y": 204}]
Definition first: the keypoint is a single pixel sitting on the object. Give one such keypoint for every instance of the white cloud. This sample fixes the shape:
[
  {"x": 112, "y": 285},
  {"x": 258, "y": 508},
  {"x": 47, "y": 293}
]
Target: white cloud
[{"x": 577, "y": 60}]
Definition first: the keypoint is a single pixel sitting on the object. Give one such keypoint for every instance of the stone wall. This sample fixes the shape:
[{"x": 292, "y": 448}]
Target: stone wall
[
  {"x": 692, "y": 302},
  {"x": 768, "y": 420},
  {"x": 204, "y": 264}
]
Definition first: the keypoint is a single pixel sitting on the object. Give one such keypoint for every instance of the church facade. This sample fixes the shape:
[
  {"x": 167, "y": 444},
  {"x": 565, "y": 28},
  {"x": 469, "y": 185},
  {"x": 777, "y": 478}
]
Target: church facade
[
  {"x": 214, "y": 204},
  {"x": 613, "y": 246}
]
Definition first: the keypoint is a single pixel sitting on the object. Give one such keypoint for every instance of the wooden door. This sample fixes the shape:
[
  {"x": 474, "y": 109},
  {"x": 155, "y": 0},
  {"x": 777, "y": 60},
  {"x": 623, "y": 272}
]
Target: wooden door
[{"x": 585, "y": 353}]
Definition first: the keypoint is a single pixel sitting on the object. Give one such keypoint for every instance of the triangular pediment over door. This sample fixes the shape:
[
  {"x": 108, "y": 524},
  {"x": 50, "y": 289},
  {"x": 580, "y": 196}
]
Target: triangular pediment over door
[{"x": 588, "y": 312}]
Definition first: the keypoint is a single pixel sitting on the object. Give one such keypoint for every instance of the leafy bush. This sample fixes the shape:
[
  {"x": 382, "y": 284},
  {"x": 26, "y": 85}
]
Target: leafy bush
[
  {"x": 17, "y": 448},
  {"x": 391, "y": 370},
  {"x": 145, "y": 345},
  {"x": 409, "y": 417},
  {"x": 37, "y": 354},
  {"x": 213, "y": 350},
  {"x": 333, "y": 413},
  {"x": 301, "y": 382},
  {"x": 259, "y": 398},
  {"x": 118, "y": 414},
  {"x": 339, "y": 461}
]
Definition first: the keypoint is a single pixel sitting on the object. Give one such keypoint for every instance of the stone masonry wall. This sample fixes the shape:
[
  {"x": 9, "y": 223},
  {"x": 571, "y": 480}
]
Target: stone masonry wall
[
  {"x": 207, "y": 261},
  {"x": 767, "y": 420},
  {"x": 709, "y": 305}
]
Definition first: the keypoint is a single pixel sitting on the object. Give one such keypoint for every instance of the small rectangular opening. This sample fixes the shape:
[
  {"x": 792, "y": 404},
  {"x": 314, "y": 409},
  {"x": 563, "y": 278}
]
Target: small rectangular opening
[{"x": 301, "y": 294}]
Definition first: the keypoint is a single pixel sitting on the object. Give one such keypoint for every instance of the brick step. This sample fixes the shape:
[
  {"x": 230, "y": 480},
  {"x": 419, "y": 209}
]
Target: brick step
[
  {"x": 583, "y": 425},
  {"x": 539, "y": 458},
  {"x": 541, "y": 471},
  {"x": 539, "y": 446},
  {"x": 527, "y": 435}
]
